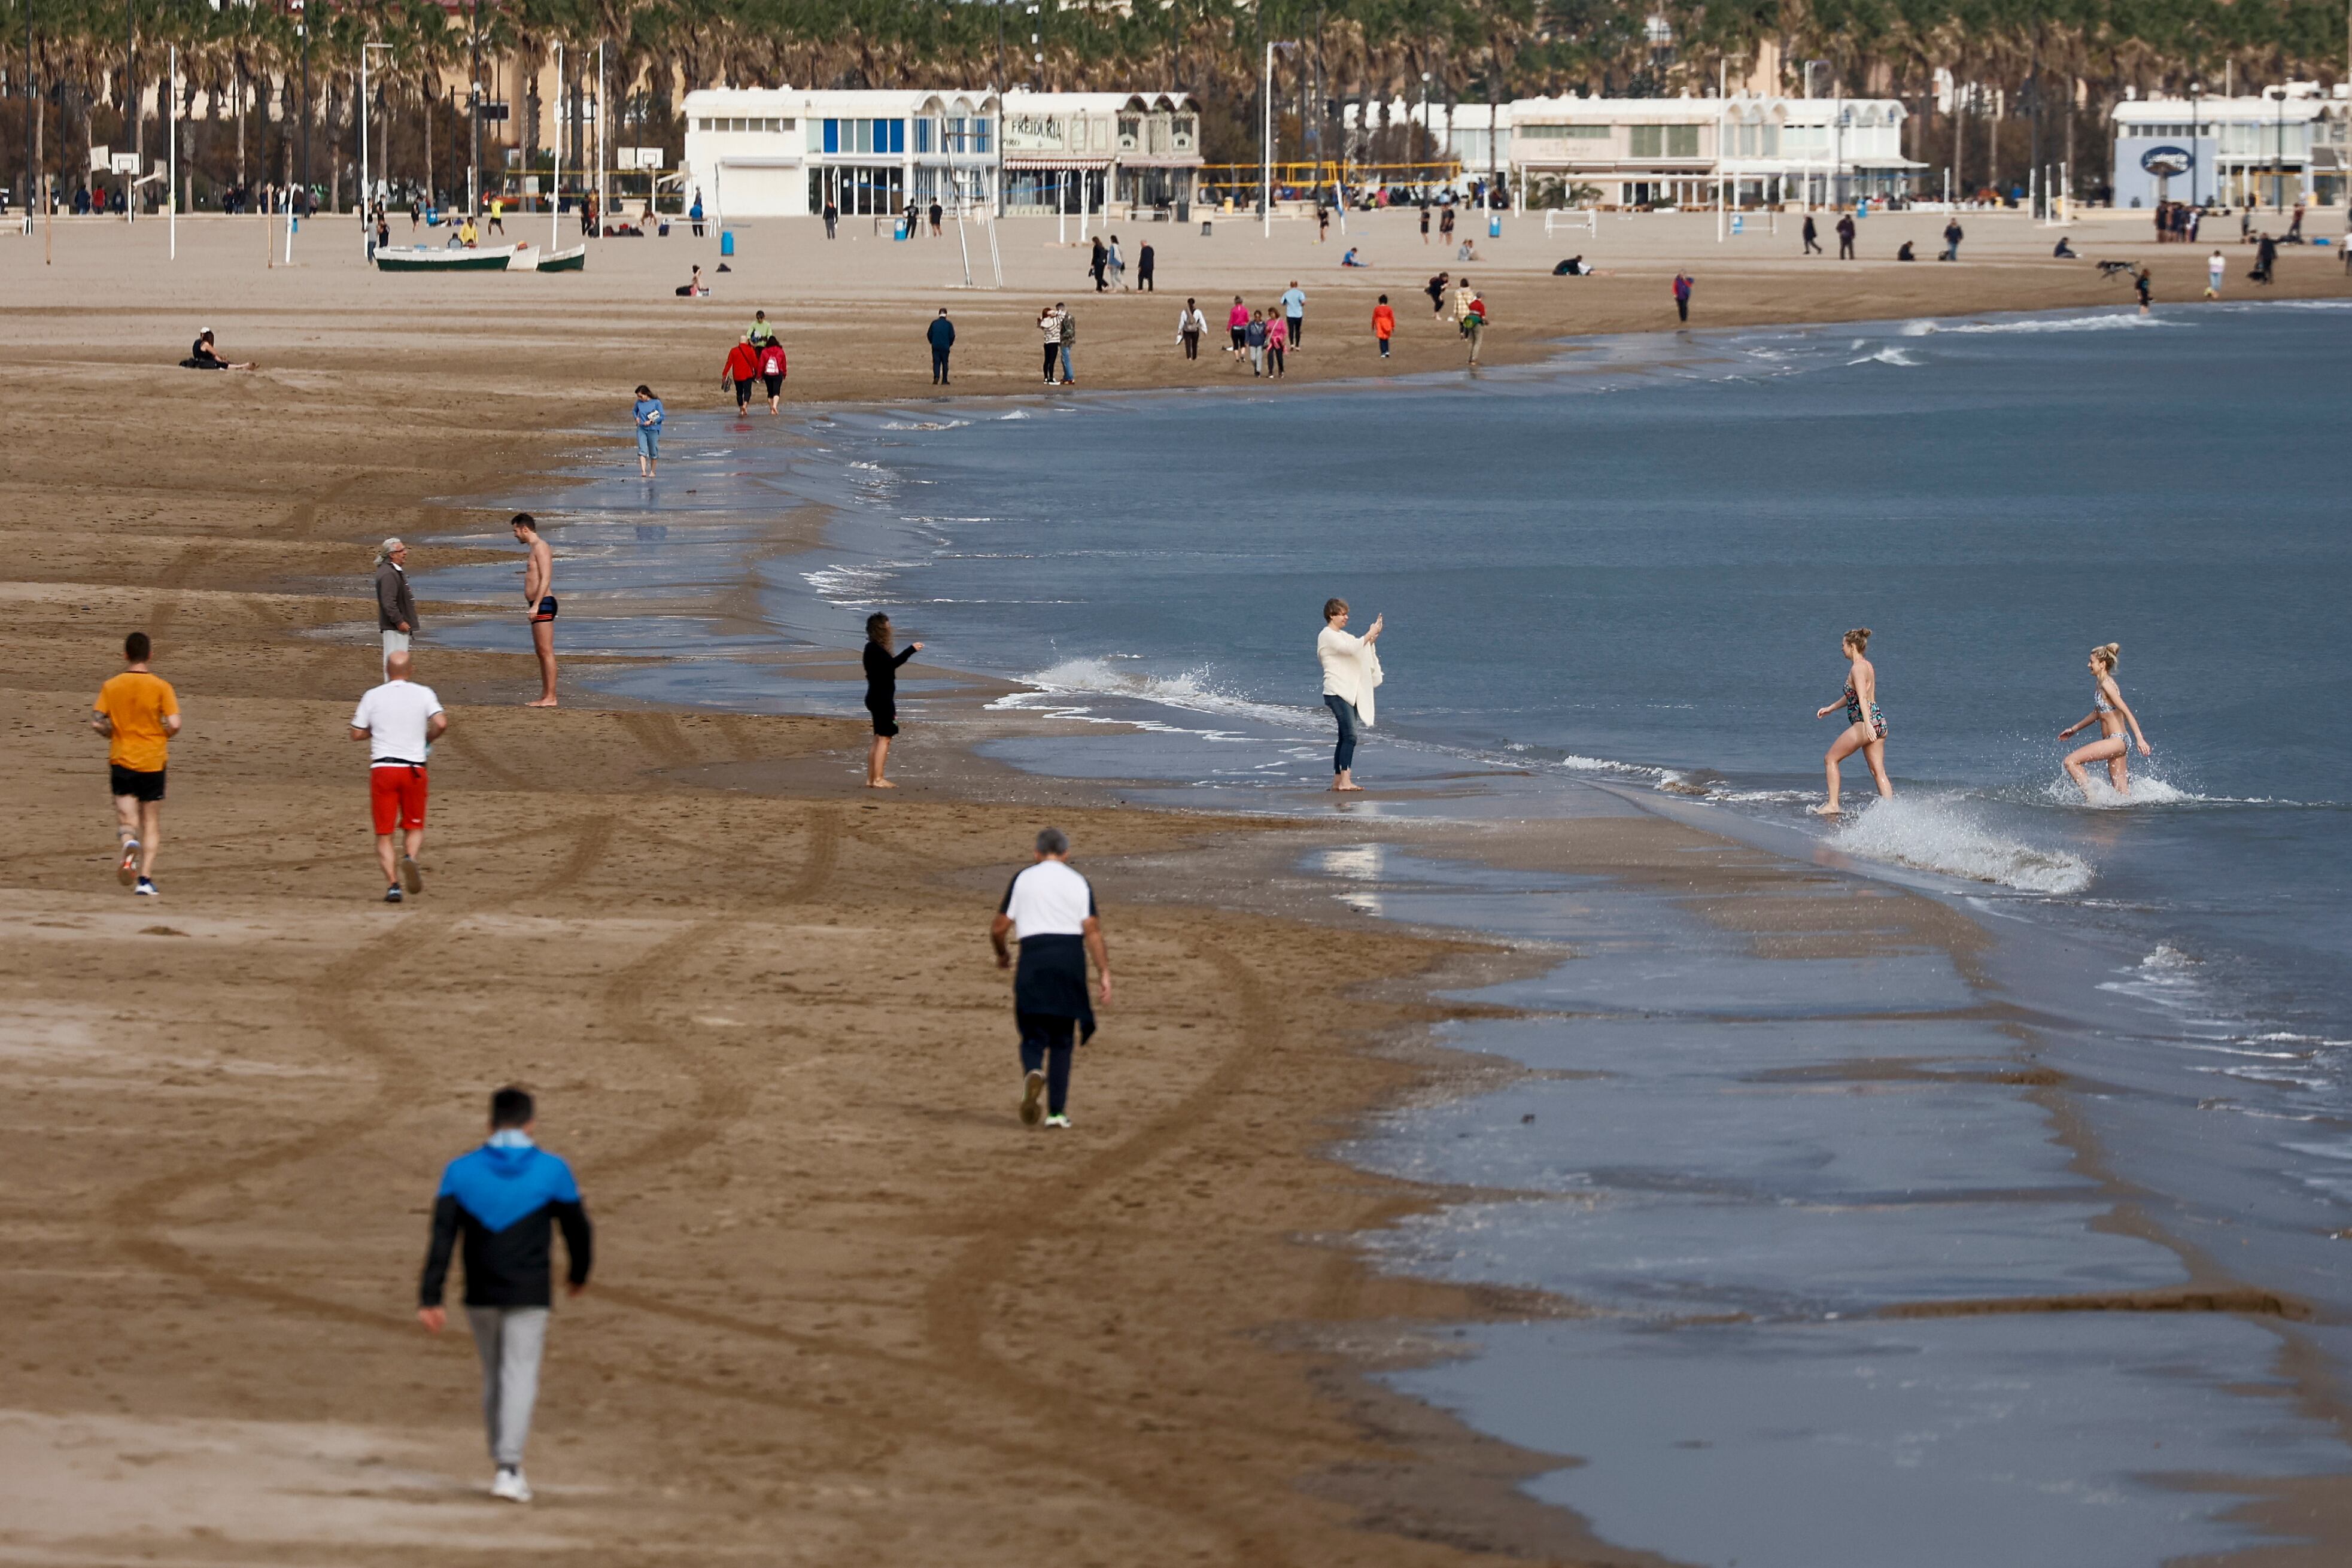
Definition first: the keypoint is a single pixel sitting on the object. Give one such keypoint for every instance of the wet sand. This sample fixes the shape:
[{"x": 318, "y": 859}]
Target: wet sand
[{"x": 847, "y": 1308}]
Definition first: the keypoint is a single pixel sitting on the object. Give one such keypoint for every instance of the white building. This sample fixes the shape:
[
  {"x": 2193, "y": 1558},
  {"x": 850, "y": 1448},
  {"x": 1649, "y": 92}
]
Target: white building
[
  {"x": 1673, "y": 151},
  {"x": 2285, "y": 146},
  {"x": 787, "y": 152}
]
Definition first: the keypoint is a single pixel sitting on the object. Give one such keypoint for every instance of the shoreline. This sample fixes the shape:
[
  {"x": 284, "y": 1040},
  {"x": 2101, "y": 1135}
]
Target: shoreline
[{"x": 234, "y": 639}]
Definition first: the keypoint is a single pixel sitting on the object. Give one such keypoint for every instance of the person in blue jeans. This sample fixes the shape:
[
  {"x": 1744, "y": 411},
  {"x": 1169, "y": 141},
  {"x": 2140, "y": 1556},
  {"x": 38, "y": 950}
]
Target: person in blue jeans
[
  {"x": 1351, "y": 669},
  {"x": 648, "y": 413}
]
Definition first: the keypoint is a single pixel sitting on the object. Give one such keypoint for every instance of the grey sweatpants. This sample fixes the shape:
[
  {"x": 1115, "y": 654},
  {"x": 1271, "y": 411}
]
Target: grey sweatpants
[{"x": 509, "y": 1341}]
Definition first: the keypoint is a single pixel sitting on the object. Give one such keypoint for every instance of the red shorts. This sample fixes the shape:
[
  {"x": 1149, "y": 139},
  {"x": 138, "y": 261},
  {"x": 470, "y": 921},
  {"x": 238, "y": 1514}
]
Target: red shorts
[{"x": 397, "y": 794}]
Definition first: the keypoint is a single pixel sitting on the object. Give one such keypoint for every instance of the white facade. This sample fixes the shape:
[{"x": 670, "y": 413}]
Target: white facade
[
  {"x": 1642, "y": 152},
  {"x": 2286, "y": 146},
  {"x": 787, "y": 152}
]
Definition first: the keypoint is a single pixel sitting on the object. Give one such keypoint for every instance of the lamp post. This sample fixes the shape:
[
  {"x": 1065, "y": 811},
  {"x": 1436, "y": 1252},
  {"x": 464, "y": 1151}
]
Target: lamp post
[
  {"x": 2195, "y": 91},
  {"x": 365, "y": 50}
]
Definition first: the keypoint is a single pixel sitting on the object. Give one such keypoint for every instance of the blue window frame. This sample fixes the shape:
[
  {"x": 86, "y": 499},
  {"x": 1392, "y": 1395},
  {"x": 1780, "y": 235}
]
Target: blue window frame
[{"x": 833, "y": 135}]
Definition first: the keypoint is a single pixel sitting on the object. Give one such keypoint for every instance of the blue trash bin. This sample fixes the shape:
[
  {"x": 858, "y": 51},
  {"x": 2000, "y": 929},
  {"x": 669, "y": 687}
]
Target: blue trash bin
[
  {"x": 1494, "y": 225},
  {"x": 726, "y": 242}
]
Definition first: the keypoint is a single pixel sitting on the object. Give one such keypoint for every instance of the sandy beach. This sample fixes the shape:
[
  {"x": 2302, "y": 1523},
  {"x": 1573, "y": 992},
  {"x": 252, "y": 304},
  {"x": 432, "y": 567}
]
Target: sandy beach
[{"x": 846, "y": 1309}]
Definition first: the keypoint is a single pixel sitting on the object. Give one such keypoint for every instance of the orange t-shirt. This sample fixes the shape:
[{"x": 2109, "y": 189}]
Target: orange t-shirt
[
  {"x": 137, "y": 703},
  {"x": 1383, "y": 321}
]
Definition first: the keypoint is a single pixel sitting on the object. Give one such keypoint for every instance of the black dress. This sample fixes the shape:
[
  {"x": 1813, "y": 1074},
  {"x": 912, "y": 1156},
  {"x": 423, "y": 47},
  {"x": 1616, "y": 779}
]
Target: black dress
[{"x": 882, "y": 685}]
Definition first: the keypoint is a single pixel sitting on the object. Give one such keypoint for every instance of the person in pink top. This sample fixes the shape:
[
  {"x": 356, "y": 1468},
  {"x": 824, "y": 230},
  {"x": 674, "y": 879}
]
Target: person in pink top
[
  {"x": 1237, "y": 323},
  {"x": 1278, "y": 339}
]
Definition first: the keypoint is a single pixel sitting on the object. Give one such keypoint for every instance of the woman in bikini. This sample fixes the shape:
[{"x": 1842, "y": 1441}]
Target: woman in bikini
[
  {"x": 1866, "y": 726},
  {"x": 2110, "y": 713}
]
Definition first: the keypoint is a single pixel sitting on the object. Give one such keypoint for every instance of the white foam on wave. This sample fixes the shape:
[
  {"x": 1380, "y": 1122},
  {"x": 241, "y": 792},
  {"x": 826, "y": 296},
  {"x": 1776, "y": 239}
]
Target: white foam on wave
[
  {"x": 1917, "y": 329},
  {"x": 855, "y": 586},
  {"x": 1116, "y": 677},
  {"x": 1887, "y": 356},
  {"x": 2147, "y": 789},
  {"x": 1941, "y": 834},
  {"x": 924, "y": 424},
  {"x": 2127, "y": 321}
]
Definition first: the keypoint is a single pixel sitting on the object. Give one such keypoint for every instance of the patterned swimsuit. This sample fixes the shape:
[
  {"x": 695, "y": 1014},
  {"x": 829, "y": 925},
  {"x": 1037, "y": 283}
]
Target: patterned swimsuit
[{"x": 1853, "y": 712}]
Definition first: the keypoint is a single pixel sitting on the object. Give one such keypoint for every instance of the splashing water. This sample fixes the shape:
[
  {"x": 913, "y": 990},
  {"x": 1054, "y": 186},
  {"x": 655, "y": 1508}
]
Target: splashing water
[{"x": 1941, "y": 834}]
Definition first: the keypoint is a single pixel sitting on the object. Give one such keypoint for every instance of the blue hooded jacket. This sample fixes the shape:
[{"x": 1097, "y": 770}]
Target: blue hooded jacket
[{"x": 505, "y": 1200}]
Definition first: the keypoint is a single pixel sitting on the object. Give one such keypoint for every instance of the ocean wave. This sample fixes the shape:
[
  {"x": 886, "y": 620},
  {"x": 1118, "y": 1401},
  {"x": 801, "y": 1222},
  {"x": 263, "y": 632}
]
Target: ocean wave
[
  {"x": 855, "y": 586},
  {"x": 2147, "y": 789},
  {"x": 1887, "y": 356},
  {"x": 2126, "y": 321},
  {"x": 1191, "y": 690},
  {"x": 1941, "y": 834},
  {"x": 924, "y": 424}
]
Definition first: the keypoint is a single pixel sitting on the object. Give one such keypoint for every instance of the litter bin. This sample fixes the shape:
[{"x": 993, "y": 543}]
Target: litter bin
[
  {"x": 726, "y": 242},
  {"x": 1206, "y": 224},
  {"x": 1494, "y": 225},
  {"x": 1183, "y": 212}
]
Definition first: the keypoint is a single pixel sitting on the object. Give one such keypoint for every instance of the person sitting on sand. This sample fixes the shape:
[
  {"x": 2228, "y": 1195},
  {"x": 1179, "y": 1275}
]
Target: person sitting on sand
[
  {"x": 1351, "y": 259},
  {"x": 466, "y": 233},
  {"x": 2064, "y": 252},
  {"x": 203, "y": 356},
  {"x": 1905, "y": 254},
  {"x": 1467, "y": 252},
  {"x": 694, "y": 288},
  {"x": 2110, "y": 713}
]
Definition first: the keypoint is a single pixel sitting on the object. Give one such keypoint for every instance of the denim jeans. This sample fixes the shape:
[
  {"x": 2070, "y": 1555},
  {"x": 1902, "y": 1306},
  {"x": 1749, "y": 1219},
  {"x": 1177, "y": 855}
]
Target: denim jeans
[
  {"x": 1344, "y": 756},
  {"x": 1066, "y": 363},
  {"x": 649, "y": 440}
]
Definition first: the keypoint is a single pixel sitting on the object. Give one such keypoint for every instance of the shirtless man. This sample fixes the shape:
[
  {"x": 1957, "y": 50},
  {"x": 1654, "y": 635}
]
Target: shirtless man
[{"x": 539, "y": 602}]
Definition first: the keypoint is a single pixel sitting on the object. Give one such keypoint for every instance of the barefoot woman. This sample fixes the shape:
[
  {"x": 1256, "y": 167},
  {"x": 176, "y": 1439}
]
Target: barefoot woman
[
  {"x": 2110, "y": 713},
  {"x": 882, "y": 694},
  {"x": 1351, "y": 669},
  {"x": 1866, "y": 726}
]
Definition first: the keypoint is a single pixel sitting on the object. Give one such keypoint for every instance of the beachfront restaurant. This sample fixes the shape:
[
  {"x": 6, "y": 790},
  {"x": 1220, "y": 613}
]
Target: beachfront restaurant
[
  {"x": 1758, "y": 150},
  {"x": 1100, "y": 152},
  {"x": 2285, "y": 146},
  {"x": 787, "y": 153}
]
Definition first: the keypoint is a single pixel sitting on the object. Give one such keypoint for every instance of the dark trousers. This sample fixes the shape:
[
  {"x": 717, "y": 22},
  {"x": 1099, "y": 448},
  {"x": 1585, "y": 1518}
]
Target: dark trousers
[
  {"x": 1812, "y": 245},
  {"x": 1053, "y": 358},
  {"x": 1343, "y": 756},
  {"x": 1298, "y": 325},
  {"x": 1683, "y": 306},
  {"x": 1048, "y": 1042},
  {"x": 1845, "y": 248},
  {"x": 939, "y": 366},
  {"x": 1192, "y": 345},
  {"x": 1143, "y": 281}
]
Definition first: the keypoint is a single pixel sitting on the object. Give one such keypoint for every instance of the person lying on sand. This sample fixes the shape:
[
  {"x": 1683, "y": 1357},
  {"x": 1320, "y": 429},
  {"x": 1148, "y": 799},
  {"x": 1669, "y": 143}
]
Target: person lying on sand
[
  {"x": 202, "y": 357},
  {"x": 1351, "y": 259}
]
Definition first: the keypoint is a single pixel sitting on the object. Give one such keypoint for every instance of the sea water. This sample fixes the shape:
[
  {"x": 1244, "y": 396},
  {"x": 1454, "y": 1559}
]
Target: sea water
[{"x": 1630, "y": 569}]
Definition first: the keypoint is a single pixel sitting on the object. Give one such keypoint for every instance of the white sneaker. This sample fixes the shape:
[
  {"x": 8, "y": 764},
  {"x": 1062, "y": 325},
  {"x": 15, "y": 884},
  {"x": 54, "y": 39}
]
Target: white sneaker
[
  {"x": 1057, "y": 1121},
  {"x": 146, "y": 889},
  {"x": 1030, "y": 1090},
  {"x": 508, "y": 1485}
]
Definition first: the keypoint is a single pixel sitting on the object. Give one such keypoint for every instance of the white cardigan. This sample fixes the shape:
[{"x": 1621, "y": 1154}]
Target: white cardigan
[{"x": 1351, "y": 667}]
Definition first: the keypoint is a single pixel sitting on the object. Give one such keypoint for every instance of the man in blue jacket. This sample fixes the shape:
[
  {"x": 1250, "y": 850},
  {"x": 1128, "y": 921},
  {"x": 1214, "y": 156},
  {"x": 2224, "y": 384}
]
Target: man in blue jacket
[
  {"x": 505, "y": 1199},
  {"x": 942, "y": 336}
]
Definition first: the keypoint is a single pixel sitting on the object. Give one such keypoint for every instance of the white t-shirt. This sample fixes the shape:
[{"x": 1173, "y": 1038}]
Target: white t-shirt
[
  {"x": 394, "y": 716},
  {"x": 1049, "y": 899}
]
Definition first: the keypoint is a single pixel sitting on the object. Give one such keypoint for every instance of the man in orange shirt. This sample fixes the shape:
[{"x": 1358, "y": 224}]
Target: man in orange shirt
[
  {"x": 1383, "y": 324},
  {"x": 138, "y": 712}
]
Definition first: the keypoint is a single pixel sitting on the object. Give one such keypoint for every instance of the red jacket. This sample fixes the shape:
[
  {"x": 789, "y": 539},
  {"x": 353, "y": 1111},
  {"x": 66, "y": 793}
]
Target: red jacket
[
  {"x": 772, "y": 359},
  {"x": 742, "y": 364}
]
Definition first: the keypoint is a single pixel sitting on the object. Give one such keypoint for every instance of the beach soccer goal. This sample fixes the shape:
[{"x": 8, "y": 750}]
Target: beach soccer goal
[
  {"x": 1765, "y": 222},
  {"x": 1586, "y": 220}
]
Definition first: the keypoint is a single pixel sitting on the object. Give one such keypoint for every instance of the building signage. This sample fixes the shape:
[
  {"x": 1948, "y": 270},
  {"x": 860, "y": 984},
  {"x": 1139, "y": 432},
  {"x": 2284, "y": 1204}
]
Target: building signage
[
  {"x": 2168, "y": 160},
  {"x": 1041, "y": 134}
]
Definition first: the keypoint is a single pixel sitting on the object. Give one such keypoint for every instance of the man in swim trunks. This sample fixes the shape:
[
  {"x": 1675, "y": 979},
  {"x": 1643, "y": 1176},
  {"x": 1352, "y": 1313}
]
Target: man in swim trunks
[
  {"x": 539, "y": 602},
  {"x": 138, "y": 712},
  {"x": 1053, "y": 909},
  {"x": 399, "y": 720}
]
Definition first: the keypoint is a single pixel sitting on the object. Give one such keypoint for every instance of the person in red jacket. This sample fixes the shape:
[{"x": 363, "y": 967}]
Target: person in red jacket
[
  {"x": 771, "y": 371},
  {"x": 1383, "y": 324},
  {"x": 742, "y": 368}
]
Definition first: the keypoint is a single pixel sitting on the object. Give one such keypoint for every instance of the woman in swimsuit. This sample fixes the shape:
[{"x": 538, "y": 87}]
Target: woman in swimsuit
[
  {"x": 882, "y": 694},
  {"x": 1866, "y": 726},
  {"x": 2110, "y": 713}
]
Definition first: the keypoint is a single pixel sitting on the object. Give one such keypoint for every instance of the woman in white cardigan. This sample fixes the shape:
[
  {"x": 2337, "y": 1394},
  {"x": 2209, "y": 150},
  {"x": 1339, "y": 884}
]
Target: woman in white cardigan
[{"x": 1351, "y": 669}]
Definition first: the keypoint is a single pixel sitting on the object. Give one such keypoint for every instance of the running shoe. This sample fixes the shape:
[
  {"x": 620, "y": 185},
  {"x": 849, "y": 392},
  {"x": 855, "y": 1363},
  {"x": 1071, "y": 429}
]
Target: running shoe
[
  {"x": 391, "y": 894},
  {"x": 1030, "y": 1090},
  {"x": 412, "y": 875},
  {"x": 147, "y": 890},
  {"x": 508, "y": 1485},
  {"x": 1058, "y": 1120},
  {"x": 127, "y": 872}
]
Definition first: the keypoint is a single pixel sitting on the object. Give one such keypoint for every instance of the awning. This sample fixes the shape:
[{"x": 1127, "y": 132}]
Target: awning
[{"x": 1054, "y": 161}]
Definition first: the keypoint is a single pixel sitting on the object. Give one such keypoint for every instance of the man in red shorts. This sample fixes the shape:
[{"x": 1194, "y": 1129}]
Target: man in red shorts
[{"x": 399, "y": 720}]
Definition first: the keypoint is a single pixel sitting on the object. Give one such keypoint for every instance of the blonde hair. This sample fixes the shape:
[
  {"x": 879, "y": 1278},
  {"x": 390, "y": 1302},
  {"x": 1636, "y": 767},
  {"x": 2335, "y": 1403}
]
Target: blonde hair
[
  {"x": 2108, "y": 653},
  {"x": 1858, "y": 639}
]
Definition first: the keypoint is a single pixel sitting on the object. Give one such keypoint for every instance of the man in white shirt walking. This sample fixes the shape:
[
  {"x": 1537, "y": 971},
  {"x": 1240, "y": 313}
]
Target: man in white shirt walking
[
  {"x": 1053, "y": 909},
  {"x": 399, "y": 720}
]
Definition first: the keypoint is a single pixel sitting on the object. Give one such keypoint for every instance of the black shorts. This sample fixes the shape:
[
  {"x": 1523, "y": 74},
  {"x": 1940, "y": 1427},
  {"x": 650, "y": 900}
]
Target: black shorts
[
  {"x": 546, "y": 611},
  {"x": 776, "y": 385},
  {"x": 1240, "y": 337},
  {"x": 135, "y": 783},
  {"x": 885, "y": 717}
]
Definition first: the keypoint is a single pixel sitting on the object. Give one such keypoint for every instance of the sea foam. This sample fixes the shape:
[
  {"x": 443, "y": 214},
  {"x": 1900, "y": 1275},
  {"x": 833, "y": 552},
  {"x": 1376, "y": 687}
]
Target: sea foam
[{"x": 1940, "y": 833}]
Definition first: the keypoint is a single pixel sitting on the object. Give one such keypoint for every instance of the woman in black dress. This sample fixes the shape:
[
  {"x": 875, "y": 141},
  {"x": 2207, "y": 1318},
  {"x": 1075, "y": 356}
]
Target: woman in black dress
[{"x": 882, "y": 694}]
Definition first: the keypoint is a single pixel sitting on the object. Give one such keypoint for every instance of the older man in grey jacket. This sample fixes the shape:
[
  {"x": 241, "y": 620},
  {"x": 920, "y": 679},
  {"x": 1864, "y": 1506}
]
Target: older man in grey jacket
[{"x": 395, "y": 609}]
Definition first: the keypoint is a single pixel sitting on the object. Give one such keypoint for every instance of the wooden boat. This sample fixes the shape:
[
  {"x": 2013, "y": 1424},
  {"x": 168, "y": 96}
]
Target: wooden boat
[
  {"x": 442, "y": 258},
  {"x": 572, "y": 260}
]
